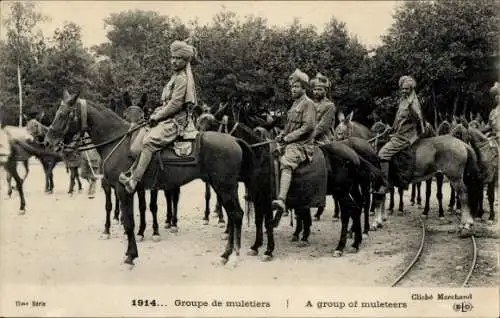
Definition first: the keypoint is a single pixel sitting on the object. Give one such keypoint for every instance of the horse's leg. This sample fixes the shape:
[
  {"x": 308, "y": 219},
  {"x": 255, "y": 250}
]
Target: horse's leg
[
  {"x": 117, "y": 207},
  {"x": 26, "y": 169},
  {"x": 269, "y": 224},
  {"x": 259, "y": 233},
  {"x": 365, "y": 192},
  {"x": 47, "y": 172},
  {"x": 380, "y": 213},
  {"x": 336, "y": 212},
  {"x": 428, "y": 189},
  {"x": 220, "y": 214},
  {"x": 51, "y": 176},
  {"x": 491, "y": 200},
  {"x": 229, "y": 200},
  {"x": 11, "y": 167},
  {"x": 344, "y": 218},
  {"x": 72, "y": 177},
  {"x": 77, "y": 177},
  {"x": 299, "y": 223},
  {"x": 307, "y": 222},
  {"x": 127, "y": 209},
  {"x": 319, "y": 212},
  {"x": 419, "y": 196},
  {"x": 141, "y": 195},
  {"x": 439, "y": 193},
  {"x": 207, "y": 204},
  {"x": 401, "y": 203},
  {"x": 480, "y": 207},
  {"x": 173, "y": 205},
  {"x": 108, "y": 206},
  {"x": 466, "y": 217},
  {"x": 413, "y": 193},
  {"x": 391, "y": 200},
  {"x": 9, "y": 184},
  {"x": 168, "y": 220},
  {"x": 451, "y": 206},
  {"x": 154, "y": 215}
]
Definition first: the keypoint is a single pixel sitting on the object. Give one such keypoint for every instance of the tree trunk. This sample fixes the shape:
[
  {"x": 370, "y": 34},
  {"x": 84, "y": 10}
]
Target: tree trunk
[
  {"x": 20, "y": 94},
  {"x": 455, "y": 102},
  {"x": 435, "y": 107}
]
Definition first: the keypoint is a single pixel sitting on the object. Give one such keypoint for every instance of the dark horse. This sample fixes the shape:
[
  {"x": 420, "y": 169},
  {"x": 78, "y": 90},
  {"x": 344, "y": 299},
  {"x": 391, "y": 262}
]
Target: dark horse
[
  {"x": 344, "y": 174},
  {"x": 222, "y": 161},
  {"x": 171, "y": 196},
  {"x": 22, "y": 148}
]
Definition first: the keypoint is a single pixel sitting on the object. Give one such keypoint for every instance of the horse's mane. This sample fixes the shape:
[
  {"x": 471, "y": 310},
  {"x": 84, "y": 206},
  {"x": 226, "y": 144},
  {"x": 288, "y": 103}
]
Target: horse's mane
[{"x": 460, "y": 131}]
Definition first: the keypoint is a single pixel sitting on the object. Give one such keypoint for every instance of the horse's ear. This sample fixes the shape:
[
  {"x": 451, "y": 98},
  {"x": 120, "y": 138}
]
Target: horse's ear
[
  {"x": 144, "y": 99},
  {"x": 349, "y": 117},
  {"x": 66, "y": 95},
  {"x": 471, "y": 117},
  {"x": 126, "y": 99},
  {"x": 341, "y": 116}
]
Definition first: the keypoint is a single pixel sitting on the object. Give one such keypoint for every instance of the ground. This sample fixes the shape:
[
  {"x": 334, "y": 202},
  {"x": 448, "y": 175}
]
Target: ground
[{"x": 58, "y": 242}]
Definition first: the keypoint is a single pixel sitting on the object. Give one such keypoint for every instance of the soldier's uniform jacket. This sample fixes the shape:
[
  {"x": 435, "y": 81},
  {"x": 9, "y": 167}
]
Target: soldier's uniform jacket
[
  {"x": 173, "y": 98},
  {"x": 408, "y": 119},
  {"x": 299, "y": 132},
  {"x": 325, "y": 117}
]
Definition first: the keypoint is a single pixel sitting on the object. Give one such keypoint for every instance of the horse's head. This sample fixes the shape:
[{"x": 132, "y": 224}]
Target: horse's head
[
  {"x": 66, "y": 124},
  {"x": 344, "y": 128},
  {"x": 5, "y": 148},
  {"x": 206, "y": 122},
  {"x": 444, "y": 128},
  {"x": 476, "y": 136}
]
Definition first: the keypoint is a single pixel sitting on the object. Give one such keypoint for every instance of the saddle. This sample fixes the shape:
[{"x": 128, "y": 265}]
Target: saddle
[
  {"x": 402, "y": 166},
  {"x": 183, "y": 151},
  {"x": 309, "y": 182}
]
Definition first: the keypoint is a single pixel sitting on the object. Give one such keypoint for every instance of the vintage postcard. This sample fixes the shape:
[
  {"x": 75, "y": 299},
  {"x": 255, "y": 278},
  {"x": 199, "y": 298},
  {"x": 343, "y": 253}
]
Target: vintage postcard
[{"x": 249, "y": 158}]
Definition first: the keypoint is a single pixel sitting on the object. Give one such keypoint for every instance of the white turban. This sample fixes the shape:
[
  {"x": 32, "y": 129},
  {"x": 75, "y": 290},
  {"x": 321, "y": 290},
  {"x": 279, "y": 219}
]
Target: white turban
[
  {"x": 299, "y": 76},
  {"x": 406, "y": 79},
  {"x": 183, "y": 50}
]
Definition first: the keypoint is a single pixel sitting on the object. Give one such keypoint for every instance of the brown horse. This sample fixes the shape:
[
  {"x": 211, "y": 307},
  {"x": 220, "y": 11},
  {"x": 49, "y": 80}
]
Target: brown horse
[
  {"x": 458, "y": 162},
  {"x": 222, "y": 161}
]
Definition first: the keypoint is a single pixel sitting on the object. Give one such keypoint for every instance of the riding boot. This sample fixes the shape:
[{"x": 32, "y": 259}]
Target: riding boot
[
  {"x": 384, "y": 188},
  {"x": 131, "y": 182},
  {"x": 286, "y": 179}
]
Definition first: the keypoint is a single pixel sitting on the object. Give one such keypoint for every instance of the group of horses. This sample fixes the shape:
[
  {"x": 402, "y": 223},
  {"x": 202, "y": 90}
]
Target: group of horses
[{"x": 347, "y": 169}]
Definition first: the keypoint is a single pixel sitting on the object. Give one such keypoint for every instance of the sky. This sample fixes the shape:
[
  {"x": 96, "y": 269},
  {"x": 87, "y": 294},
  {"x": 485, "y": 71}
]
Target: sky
[{"x": 368, "y": 20}]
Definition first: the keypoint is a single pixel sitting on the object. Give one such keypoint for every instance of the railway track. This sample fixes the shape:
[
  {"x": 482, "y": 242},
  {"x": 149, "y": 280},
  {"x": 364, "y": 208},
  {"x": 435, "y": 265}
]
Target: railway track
[{"x": 418, "y": 256}]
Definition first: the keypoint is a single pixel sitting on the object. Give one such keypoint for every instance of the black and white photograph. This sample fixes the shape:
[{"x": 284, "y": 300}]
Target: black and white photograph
[{"x": 249, "y": 158}]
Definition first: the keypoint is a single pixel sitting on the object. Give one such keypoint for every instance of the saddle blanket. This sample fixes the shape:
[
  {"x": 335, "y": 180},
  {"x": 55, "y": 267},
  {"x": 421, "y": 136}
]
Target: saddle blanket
[{"x": 181, "y": 152}]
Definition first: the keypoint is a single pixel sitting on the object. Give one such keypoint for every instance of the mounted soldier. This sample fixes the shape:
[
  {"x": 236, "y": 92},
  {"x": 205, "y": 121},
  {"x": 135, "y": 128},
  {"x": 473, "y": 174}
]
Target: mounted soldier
[
  {"x": 169, "y": 120},
  {"x": 408, "y": 125},
  {"x": 325, "y": 110},
  {"x": 494, "y": 117},
  {"x": 298, "y": 137}
]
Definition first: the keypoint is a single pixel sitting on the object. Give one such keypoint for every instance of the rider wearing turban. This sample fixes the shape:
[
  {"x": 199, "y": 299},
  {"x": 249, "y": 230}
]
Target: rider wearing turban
[
  {"x": 325, "y": 110},
  {"x": 298, "y": 136},
  {"x": 168, "y": 120},
  {"x": 405, "y": 130},
  {"x": 494, "y": 117}
]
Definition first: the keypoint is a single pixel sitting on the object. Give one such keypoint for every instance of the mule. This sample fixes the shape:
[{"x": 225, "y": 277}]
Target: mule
[
  {"x": 450, "y": 156},
  {"x": 343, "y": 174},
  {"x": 220, "y": 159},
  {"x": 489, "y": 164}
]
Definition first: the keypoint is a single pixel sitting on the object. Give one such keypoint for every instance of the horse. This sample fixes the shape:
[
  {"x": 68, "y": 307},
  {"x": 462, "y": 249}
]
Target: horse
[
  {"x": 343, "y": 179},
  {"x": 454, "y": 159},
  {"x": 22, "y": 147},
  {"x": 489, "y": 157},
  {"x": 222, "y": 161}
]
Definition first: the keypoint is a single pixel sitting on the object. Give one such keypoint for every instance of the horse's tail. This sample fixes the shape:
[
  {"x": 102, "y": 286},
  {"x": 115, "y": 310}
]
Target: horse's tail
[
  {"x": 247, "y": 166},
  {"x": 472, "y": 177},
  {"x": 374, "y": 173},
  {"x": 34, "y": 150}
]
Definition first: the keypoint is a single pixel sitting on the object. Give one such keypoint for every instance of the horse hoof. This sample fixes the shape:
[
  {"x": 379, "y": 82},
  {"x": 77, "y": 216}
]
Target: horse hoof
[
  {"x": 129, "y": 262},
  {"x": 224, "y": 236},
  {"x": 223, "y": 260},
  {"x": 174, "y": 229},
  {"x": 252, "y": 253},
  {"x": 352, "y": 250},
  {"x": 337, "y": 253},
  {"x": 419, "y": 205},
  {"x": 303, "y": 244},
  {"x": 424, "y": 215},
  {"x": 22, "y": 212},
  {"x": 156, "y": 238},
  {"x": 233, "y": 261},
  {"x": 267, "y": 258},
  {"x": 140, "y": 238},
  {"x": 222, "y": 224},
  {"x": 365, "y": 236},
  {"x": 465, "y": 233},
  {"x": 412, "y": 203},
  {"x": 168, "y": 225},
  {"x": 205, "y": 222},
  {"x": 116, "y": 221},
  {"x": 105, "y": 236}
]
